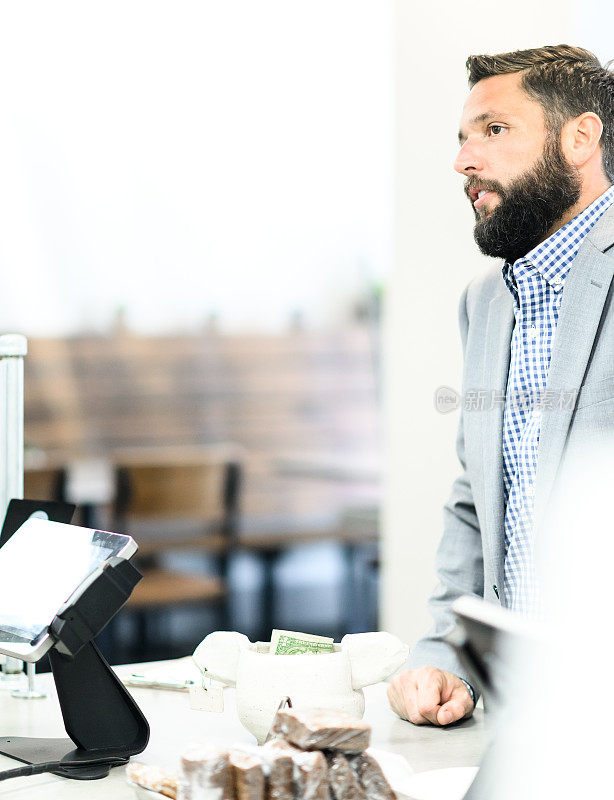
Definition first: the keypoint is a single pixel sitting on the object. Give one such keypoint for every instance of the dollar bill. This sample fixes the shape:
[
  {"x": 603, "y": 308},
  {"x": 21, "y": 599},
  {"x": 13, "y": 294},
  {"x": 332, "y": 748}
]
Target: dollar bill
[{"x": 292, "y": 643}]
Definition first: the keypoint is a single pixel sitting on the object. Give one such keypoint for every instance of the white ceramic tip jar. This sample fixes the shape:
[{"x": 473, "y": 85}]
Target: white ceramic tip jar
[{"x": 327, "y": 680}]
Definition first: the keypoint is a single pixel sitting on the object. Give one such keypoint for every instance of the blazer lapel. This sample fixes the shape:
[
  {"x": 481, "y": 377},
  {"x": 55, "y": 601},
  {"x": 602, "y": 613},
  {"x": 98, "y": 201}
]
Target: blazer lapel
[
  {"x": 584, "y": 295},
  {"x": 499, "y": 329}
]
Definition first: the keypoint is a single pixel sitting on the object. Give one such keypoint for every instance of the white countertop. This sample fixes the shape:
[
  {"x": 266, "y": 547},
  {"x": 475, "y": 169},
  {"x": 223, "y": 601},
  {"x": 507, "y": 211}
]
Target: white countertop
[{"x": 173, "y": 724}]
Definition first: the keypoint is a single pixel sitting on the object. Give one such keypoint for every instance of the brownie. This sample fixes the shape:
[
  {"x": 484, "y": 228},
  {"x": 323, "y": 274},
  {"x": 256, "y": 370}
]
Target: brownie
[
  {"x": 311, "y": 775},
  {"x": 277, "y": 756},
  {"x": 343, "y": 782},
  {"x": 205, "y": 773},
  {"x": 248, "y": 774},
  {"x": 322, "y": 729},
  {"x": 371, "y": 777}
]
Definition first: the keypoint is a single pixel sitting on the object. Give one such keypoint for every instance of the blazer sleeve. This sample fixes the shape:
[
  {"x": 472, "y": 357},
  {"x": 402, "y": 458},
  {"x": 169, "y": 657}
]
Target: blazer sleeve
[{"x": 459, "y": 562}]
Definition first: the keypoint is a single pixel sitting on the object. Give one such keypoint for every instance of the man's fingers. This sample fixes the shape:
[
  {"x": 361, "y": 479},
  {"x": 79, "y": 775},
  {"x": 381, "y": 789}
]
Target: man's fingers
[
  {"x": 428, "y": 701},
  {"x": 401, "y": 693},
  {"x": 410, "y": 699},
  {"x": 459, "y": 706},
  {"x": 395, "y": 696}
]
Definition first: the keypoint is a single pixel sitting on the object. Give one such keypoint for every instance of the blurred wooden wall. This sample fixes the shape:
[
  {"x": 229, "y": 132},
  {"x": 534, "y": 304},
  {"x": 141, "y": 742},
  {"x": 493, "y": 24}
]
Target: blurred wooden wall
[{"x": 302, "y": 392}]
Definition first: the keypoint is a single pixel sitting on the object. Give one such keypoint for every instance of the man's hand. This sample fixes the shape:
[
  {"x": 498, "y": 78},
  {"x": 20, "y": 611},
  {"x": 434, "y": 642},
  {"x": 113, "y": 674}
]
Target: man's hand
[{"x": 429, "y": 695}]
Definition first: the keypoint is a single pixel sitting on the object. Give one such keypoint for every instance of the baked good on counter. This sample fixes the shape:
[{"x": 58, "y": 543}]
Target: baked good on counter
[
  {"x": 248, "y": 775},
  {"x": 153, "y": 778},
  {"x": 316, "y": 755},
  {"x": 206, "y": 774},
  {"x": 311, "y": 775},
  {"x": 371, "y": 777},
  {"x": 277, "y": 755},
  {"x": 344, "y": 784},
  {"x": 322, "y": 729},
  {"x": 309, "y": 770}
]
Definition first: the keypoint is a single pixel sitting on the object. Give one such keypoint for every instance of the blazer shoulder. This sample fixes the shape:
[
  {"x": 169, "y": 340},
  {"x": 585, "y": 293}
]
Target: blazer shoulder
[{"x": 602, "y": 234}]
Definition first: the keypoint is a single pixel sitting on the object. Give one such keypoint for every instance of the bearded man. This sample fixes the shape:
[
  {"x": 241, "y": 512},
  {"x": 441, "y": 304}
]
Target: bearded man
[{"x": 537, "y": 153}]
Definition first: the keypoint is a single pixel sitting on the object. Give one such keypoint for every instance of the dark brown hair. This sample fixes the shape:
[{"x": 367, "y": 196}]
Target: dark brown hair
[{"x": 566, "y": 81}]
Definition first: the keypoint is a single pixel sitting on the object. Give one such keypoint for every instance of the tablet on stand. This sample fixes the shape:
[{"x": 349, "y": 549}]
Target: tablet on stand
[{"x": 63, "y": 585}]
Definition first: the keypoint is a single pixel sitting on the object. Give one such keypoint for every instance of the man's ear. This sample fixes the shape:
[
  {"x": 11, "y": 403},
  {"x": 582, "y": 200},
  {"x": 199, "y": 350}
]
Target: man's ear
[{"x": 580, "y": 138}]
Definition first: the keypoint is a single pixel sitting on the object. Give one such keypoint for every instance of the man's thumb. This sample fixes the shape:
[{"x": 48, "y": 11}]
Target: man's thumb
[{"x": 451, "y": 711}]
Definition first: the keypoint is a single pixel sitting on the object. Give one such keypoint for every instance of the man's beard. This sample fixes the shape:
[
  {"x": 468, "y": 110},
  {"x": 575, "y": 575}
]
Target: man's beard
[{"x": 528, "y": 207}]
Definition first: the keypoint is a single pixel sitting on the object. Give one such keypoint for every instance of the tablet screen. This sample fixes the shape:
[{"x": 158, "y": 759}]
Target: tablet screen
[{"x": 41, "y": 566}]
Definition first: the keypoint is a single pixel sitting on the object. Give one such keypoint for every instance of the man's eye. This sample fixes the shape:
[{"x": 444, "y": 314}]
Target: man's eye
[{"x": 495, "y": 130}]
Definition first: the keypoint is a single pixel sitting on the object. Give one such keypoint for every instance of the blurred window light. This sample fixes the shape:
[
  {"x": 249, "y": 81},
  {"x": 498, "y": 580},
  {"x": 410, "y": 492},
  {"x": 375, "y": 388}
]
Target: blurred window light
[{"x": 188, "y": 160}]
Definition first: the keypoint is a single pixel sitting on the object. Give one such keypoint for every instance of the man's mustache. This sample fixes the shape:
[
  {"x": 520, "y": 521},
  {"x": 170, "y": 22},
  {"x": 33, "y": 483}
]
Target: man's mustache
[{"x": 474, "y": 183}]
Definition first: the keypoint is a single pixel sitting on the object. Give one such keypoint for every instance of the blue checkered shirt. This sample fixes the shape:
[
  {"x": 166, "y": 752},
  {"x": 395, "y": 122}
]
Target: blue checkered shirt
[{"x": 536, "y": 283}]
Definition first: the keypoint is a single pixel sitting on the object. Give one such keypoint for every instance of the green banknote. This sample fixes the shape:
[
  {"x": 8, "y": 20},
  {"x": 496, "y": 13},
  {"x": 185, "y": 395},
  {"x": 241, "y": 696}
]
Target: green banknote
[{"x": 292, "y": 643}]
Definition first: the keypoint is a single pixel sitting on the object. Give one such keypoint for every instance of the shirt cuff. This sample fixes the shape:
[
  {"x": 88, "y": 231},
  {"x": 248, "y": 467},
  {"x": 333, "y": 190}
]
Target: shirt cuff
[{"x": 470, "y": 689}]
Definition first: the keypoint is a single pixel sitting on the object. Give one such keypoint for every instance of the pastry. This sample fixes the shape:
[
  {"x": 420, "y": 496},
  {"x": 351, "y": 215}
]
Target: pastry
[
  {"x": 311, "y": 775},
  {"x": 205, "y": 774},
  {"x": 371, "y": 777},
  {"x": 248, "y": 775},
  {"x": 343, "y": 782},
  {"x": 321, "y": 729},
  {"x": 153, "y": 778},
  {"x": 277, "y": 755}
]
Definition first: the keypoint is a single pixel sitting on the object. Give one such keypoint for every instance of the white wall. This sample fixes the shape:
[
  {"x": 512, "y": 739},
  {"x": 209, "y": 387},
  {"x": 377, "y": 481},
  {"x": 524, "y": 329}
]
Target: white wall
[
  {"x": 592, "y": 22},
  {"x": 435, "y": 257}
]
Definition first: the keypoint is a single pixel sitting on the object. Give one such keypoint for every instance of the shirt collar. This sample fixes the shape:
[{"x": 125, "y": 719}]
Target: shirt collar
[{"x": 553, "y": 257}]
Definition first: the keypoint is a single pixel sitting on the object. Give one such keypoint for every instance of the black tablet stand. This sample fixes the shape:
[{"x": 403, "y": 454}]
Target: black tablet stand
[{"x": 104, "y": 723}]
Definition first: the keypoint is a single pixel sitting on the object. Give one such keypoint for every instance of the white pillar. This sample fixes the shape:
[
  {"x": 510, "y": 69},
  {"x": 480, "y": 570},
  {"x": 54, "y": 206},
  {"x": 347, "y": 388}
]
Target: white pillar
[{"x": 13, "y": 348}]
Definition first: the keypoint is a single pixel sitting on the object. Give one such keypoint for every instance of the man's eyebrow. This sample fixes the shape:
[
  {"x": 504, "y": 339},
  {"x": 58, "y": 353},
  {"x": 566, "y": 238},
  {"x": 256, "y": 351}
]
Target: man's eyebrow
[{"x": 484, "y": 117}]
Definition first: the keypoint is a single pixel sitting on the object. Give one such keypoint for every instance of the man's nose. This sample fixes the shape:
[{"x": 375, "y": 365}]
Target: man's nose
[{"x": 468, "y": 159}]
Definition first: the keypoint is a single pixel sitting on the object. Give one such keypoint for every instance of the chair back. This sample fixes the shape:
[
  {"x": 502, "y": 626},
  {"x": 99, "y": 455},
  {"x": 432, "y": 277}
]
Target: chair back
[
  {"x": 44, "y": 483},
  {"x": 197, "y": 484}
]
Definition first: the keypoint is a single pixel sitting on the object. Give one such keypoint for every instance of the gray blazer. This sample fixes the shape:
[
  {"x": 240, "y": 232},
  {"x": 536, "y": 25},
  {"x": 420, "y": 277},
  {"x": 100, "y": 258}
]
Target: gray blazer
[{"x": 472, "y": 550}]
